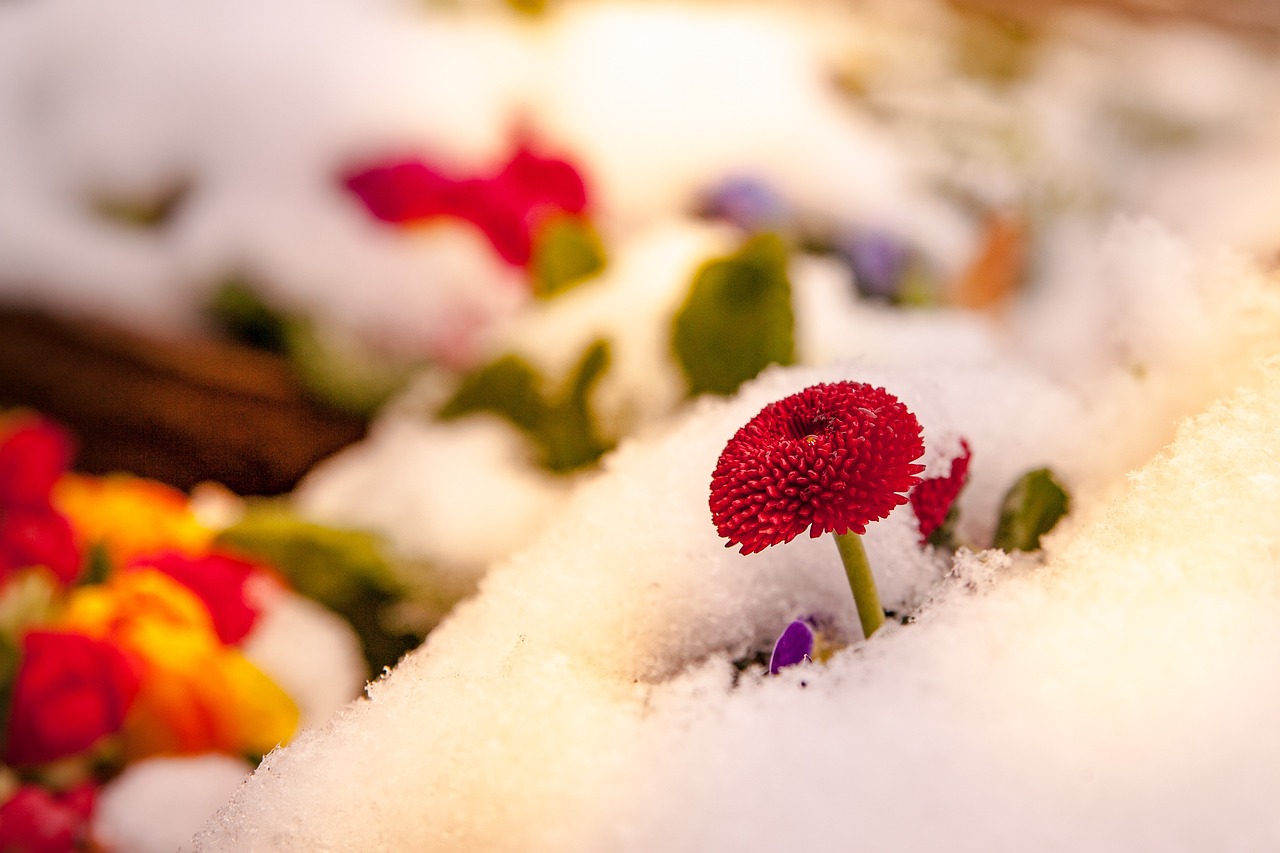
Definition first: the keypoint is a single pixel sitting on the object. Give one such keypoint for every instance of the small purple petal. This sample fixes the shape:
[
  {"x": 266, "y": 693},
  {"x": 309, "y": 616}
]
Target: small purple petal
[
  {"x": 749, "y": 203},
  {"x": 878, "y": 261},
  {"x": 793, "y": 647}
]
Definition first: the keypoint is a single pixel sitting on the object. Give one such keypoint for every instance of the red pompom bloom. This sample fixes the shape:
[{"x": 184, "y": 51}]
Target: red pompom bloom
[
  {"x": 932, "y": 499},
  {"x": 831, "y": 459}
]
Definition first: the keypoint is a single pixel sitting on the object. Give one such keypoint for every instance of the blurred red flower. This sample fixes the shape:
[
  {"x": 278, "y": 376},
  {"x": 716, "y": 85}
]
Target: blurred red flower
[
  {"x": 507, "y": 207},
  {"x": 35, "y": 820},
  {"x": 38, "y": 537},
  {"x": 221, "y": 581},
  {"x": 70, "y": 691},
  {"x": 933, "y": 497},
  {"x": 34, "y": 453},
  {"x": 830, "y": 459}
]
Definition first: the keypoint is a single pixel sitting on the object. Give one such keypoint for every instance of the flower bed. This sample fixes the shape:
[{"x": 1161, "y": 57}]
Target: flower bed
[{"x": 133, "y": 644}]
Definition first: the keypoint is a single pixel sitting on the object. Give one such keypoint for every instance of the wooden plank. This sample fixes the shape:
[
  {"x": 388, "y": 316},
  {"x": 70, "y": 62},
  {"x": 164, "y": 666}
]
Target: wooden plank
[{"x": 180, "y": 411}]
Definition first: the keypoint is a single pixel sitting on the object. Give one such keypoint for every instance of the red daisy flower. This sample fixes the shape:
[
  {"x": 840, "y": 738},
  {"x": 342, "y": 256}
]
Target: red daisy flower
[
  {"x": 831, "y": 459},
  {"x": 932, "y": 499}
]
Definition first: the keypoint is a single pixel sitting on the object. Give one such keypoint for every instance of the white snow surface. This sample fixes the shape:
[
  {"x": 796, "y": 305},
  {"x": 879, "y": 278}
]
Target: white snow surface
[
  {"x": 311, "y": 652},
  {"x": 157, "y": 804},
  {"x": 1114, "y": 695}
]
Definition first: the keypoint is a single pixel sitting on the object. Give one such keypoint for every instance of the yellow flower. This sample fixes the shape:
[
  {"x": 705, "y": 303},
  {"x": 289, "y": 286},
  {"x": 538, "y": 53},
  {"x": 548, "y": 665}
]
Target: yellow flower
[
  {"x": 197, "y": 695},
  {"x": 129, "y": 516}
]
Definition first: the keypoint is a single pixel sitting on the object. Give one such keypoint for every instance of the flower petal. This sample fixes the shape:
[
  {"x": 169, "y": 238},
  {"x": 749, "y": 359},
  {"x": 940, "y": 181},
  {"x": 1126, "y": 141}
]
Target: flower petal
[{"x": 794, "y": 645}]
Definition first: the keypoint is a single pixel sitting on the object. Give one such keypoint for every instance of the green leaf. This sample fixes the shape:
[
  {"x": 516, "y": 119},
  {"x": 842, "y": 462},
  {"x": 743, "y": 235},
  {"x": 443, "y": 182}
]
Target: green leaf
[
  {"x": 244, "y": 317},
  {"x": 1031, "y": 508},
  {"x": 506, "y": 387},
  {"x": 944, "y": 535},
  {"x": 343, "y": 569},
  {"x": 97, "y": 565},
  {"x": 737, "y": 318},
  {"x": 566, "y": 252},
  {"x": 340, "y": 371},
  {"x": 337, "y": 370},
  {"x": 152, "y": 212},
  {"x": 561, "y": 424},
  {"x": 920, "y": 287},
  {"x": 569, "y": 437}
]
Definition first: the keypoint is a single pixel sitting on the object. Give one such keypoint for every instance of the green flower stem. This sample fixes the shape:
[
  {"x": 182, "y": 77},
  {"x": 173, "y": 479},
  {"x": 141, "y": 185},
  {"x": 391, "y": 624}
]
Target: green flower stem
[{"x": 861, "y": 582}]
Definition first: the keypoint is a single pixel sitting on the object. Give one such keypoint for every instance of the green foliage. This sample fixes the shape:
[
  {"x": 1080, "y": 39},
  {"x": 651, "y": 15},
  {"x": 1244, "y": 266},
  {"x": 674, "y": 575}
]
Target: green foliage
[
  {"x": 345, "y": 570},
  {"x": 342, "y": 373},
  {"x": 97, "y": 565},
  {"x": 153, "y": 212},
  {"x": 1031, "y": 508},
  {"x": 506, "y": 387},
  {"x": 566, "y": 252},
  {"x": 920, "y": 286},
  {"x": 737, "y": 318},
  {"x": 560, "y": 424},
  {"x": 337, "y": 371},
  {"x": 244, "y": 317}
]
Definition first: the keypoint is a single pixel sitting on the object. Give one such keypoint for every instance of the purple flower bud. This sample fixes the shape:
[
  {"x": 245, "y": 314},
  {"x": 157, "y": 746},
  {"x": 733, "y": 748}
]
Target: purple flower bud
[
  {"x": 746, "y": 202},
  {"x": 794, "y": 646},
  {"x": 879, "y": 262}
]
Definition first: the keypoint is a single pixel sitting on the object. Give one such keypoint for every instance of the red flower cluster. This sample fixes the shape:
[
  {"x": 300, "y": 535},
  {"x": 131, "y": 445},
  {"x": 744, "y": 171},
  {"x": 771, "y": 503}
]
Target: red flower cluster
[
  {"x": 508, "y": 207},
  {"x": 933, "y": 497},
  {"x": 34, "y": 453},
  {"x": 831, "y": 459}
]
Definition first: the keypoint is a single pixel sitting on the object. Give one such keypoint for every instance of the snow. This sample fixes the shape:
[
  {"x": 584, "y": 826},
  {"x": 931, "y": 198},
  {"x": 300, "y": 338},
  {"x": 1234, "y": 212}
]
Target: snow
[
  {"x": 156, "y": 805},
  {"x": 330, "y": 672},
  {"x": 582, "y": 700},
  {"x": 1113, "y": 696}
]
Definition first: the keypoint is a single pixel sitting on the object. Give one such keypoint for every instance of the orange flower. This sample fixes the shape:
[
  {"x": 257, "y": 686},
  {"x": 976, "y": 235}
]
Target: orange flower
[
  {"x": 129, "y": 516},
  {"x": 224, "y": 582},
  {"x": 196, "y": 695}
]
